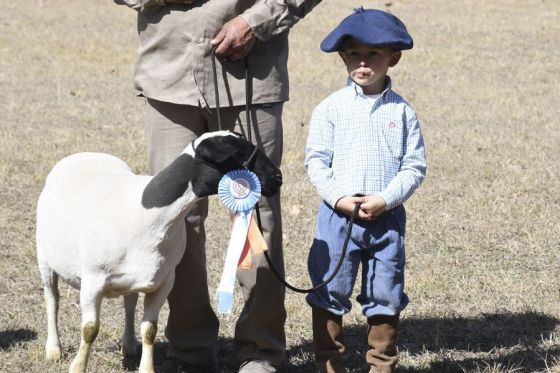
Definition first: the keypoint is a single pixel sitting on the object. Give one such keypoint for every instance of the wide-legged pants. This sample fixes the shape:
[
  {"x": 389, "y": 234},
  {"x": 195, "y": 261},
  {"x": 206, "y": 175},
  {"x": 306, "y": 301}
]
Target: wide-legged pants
[{"x": 378, "y": 246}]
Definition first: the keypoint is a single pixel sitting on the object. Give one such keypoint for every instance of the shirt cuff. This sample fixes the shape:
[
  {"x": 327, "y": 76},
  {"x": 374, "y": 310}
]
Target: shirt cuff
[
  {"x": 262, "y": 18},
  {"x": 390, "y": 200},
  {"x": 333, "y": 199},
  {"x": 142, "y": 5}
]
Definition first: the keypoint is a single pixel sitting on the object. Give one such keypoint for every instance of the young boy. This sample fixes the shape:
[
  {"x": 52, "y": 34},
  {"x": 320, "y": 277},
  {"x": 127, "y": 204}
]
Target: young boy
[{"x": 364, "y": 140}]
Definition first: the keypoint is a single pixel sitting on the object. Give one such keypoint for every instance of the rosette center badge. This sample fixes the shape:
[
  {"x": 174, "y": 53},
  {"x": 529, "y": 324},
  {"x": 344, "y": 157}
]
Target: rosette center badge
[{"x": 240, "y": 188}]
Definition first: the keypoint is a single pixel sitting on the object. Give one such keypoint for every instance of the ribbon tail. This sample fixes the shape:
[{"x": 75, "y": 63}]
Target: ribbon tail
[
  {"x": 236, "y": 245},
  {"x": 255, "y": 245},
  {"x": 256, "y": 239},
  {"x": 245, "y": 260}
]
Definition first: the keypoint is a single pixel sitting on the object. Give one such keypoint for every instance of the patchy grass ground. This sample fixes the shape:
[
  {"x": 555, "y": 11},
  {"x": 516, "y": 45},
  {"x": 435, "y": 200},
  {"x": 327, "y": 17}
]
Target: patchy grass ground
[{"x": 483, "y": 270}]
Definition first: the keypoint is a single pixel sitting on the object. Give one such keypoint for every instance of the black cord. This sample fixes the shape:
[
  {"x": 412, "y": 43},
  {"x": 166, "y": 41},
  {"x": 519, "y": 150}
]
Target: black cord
[
  {"x": 338, "y": 264},
  {"x": 216, "y": 93},
  {"x": 248, "y": 100}
]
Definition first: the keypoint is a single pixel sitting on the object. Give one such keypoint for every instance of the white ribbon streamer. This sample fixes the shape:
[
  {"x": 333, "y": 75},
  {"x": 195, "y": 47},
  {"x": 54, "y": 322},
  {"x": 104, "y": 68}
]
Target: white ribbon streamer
[
  {"x": 234, "y": 250},
  {"x": 239, "y": 190}
]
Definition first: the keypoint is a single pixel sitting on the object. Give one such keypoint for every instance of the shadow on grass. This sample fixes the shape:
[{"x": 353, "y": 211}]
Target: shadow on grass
[
  {"x": 9, "y": 338},
  {"x": 521, "y": 333},
  {"x": 483, "y": 333}
]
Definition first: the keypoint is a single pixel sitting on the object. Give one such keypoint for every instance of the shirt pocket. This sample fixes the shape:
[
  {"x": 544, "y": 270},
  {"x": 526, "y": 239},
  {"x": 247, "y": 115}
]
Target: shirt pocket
[{"x": 394, "y": 132}]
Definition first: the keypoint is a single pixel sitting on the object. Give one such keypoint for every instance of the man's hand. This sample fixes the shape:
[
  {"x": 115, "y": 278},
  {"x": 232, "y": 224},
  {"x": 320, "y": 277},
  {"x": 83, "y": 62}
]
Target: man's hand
[
  {"x": 373, "y": 206},
  {"x": 235, "y": 40}
]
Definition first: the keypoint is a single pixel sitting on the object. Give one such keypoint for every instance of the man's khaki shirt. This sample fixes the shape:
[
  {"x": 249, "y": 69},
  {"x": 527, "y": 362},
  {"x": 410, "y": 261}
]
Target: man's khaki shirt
[{"x": 174, "y": 53}]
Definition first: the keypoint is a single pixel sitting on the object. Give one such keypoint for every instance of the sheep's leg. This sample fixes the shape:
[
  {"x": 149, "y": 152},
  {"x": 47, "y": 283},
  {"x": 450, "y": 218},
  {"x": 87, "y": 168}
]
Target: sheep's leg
[
  {"x": 129, "y": 341},
  {"x": 152, "y": 305},
  {"x": 90, "y": 302},
  {"x": 50, "y": 288}
]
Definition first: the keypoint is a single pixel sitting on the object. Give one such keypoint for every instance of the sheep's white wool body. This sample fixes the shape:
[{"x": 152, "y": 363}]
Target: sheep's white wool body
[
  {"x": 93, "y": 225},
  {"x": 93, "y": 232}
]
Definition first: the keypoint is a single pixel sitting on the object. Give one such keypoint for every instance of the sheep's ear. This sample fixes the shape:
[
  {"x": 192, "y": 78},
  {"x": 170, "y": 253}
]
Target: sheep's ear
[
  {"x": 169, "y": 184},
  {"x": 215, "y": 150}
]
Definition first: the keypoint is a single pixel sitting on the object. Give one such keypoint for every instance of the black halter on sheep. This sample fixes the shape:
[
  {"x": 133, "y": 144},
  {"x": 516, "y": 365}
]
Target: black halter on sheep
[{"x": 109, "y": 232}]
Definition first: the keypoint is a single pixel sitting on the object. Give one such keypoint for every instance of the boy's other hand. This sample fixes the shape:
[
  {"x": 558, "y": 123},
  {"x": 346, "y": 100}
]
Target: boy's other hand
[{"x": 372, "y": 207}]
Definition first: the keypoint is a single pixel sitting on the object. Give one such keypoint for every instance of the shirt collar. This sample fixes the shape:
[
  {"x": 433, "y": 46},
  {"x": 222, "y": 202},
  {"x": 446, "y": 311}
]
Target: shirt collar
[{"x": 360, "y": 92}]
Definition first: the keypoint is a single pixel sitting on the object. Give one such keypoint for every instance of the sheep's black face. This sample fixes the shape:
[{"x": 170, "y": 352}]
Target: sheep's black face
[{"x": 215, "y": 156}]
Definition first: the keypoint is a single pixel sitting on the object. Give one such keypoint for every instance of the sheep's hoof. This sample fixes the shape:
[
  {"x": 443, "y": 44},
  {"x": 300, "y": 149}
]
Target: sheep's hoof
[
  {"x": 53, "y": 353},
  {"x": 77, "y": 366},
  {"x": 128, "y": 349}
]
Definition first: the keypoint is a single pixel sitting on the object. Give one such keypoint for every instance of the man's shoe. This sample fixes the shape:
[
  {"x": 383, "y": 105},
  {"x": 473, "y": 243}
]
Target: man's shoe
[
  {"x": 257, "y": 366},
  {"x": 172, "y": 365}
]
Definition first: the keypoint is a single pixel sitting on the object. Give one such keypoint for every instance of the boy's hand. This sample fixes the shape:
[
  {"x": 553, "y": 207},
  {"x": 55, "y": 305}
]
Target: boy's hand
[
  {"x": 373, "y": 206},
  {"x": 346, "y": 205}
]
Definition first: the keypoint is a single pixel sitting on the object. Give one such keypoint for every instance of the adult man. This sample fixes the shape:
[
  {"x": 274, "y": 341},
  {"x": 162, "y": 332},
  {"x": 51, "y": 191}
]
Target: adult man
[{"x": 173, "y": 71}]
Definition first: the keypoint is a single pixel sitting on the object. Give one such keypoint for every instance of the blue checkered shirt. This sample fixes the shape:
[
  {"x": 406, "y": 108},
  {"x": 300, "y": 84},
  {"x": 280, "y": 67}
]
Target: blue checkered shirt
[{"x": 357, "y": 145}]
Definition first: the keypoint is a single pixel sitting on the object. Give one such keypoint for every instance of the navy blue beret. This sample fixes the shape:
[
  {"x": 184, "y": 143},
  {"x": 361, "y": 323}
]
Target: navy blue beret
[{"x": 369, "y": 26}]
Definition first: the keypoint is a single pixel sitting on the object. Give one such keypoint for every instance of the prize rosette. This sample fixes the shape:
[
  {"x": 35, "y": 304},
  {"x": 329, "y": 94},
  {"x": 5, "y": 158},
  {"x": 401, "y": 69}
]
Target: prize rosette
[{"x": 239, "y": 190}]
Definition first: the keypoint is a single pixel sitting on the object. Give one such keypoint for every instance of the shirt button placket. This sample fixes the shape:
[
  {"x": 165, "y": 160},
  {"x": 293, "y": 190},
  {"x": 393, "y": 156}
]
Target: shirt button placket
[{"x": 199, "y": 72}]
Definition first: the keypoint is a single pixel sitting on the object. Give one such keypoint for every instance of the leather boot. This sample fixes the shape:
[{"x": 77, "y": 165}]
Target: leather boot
[
  {"x": 328, "y": 341},
  {"x": 382, "y": 335}
]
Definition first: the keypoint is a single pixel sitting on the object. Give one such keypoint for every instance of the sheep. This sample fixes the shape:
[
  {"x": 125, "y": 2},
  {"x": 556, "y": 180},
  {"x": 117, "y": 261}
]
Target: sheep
[{"x": 109, "y": 232}]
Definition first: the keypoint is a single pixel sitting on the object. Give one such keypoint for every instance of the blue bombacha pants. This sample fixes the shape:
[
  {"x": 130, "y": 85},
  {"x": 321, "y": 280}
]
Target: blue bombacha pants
[{"x": 377, "y": 245}]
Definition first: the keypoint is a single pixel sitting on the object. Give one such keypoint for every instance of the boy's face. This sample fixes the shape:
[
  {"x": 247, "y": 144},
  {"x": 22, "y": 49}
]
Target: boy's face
[{"x": 367, "y": 64}]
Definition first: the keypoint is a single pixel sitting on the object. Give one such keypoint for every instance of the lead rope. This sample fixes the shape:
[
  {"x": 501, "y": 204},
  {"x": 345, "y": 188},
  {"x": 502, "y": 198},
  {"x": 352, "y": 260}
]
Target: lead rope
[
  {"x": 216, "y": 94},
  {"x": 246, "y": 165}
]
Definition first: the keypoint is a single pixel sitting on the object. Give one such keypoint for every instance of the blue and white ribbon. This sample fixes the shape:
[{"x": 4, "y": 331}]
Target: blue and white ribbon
[{"x": 239, "y": 190}]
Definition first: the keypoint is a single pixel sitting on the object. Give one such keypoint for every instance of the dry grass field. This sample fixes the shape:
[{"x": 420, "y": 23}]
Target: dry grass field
[{"x": 483, "y": 246}]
